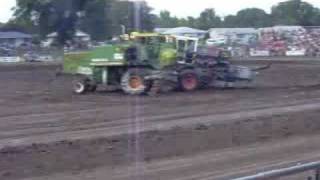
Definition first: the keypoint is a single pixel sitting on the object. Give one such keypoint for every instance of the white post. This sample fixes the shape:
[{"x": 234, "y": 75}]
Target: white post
[{"x": 105, "y": 76}]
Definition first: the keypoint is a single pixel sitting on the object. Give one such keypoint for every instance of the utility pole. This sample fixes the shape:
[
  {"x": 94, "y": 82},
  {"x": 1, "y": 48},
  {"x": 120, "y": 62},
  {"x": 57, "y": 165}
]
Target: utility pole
[{"x": 137, "y": 8}]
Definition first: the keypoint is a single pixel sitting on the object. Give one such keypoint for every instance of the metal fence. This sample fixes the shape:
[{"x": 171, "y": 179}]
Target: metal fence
[{"x": 285, "y": 172}]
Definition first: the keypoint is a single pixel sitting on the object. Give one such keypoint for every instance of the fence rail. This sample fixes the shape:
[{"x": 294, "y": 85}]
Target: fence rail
[{"x": 286, "y": 172}]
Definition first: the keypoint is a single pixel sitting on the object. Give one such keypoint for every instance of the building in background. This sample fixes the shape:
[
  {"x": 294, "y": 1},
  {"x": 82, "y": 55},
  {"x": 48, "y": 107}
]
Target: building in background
[
  {"x": 79, "y": 36},
  {"x": 233, "y": 35},
  {"x": 161, "y": 30},
  {"x": 14, "y": 39}
]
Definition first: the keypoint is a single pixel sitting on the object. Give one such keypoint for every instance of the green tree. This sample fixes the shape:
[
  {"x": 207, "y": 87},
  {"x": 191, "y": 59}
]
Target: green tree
[
  {"x": 50, "y": 15},
  {"x": 183, "y": 22},
  {"x": 165, "y": 20},
  {"x": 208, "y": 19},
  {"x": 230, "y": 21},
  {"x": 316, "y": 18},
  {"x": 252, "y": 17},
  {"x": 293, "y": 12},
  {"x": 100, "y": 18},
  {"x": 122, "y": 14},
  {"x": 192, "y": 22},
  {"x": 13, "y": 26},
  {"x": 97, "y": 21},
  {"x": 147, "y": 18}
]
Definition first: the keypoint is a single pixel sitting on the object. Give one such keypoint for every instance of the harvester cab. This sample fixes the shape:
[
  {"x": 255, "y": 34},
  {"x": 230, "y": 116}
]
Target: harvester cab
[
  {"x": 186, "y": 47},
  {"x": 144, "y": 49},
  {"x": 184, "y": 44}
]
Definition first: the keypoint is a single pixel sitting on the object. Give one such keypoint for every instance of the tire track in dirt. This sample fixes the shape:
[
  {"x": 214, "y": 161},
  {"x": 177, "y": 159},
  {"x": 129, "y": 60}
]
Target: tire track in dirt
[
  {"x": 222, "y": 164},
  {"x": 42, "y": 124},
  {"x": 40, "y": 114},
  {"x": 150, "y": 124}
]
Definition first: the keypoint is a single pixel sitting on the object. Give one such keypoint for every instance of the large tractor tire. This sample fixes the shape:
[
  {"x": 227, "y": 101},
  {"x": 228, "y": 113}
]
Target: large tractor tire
[
  {"x": 189, "y": 80},
  {"x": 80, "y": 85},
  {"x": 133, "y": 82}
]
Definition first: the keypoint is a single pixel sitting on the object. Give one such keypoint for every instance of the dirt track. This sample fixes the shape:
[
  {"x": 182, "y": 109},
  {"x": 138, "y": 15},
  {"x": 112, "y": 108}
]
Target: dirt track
[{"x": 75, "y": 133}]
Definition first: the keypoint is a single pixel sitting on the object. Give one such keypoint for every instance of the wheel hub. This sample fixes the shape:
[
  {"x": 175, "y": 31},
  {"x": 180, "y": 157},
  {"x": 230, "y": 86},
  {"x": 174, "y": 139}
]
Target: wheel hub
[
  {"x": 189, "y": 82},
  {"x": 79, "y": 87},
  {"x": 135, "y": 82}
]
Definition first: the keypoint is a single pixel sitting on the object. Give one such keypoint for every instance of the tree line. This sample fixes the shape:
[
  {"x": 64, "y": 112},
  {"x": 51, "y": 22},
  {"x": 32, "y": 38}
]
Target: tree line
[
  {"x": 292, "y": 12},
  {"x": 103, "y": 19}
]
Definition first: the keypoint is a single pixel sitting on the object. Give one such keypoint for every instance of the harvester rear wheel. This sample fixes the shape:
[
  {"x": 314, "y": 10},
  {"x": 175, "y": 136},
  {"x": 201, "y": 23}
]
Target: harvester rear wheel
[
  {"x": 133, "y": 82},
  {"x": 189, "y": 80}
]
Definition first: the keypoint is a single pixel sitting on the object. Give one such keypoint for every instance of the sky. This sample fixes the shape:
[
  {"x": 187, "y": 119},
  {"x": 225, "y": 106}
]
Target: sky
[{"x": 184, "y": 8}]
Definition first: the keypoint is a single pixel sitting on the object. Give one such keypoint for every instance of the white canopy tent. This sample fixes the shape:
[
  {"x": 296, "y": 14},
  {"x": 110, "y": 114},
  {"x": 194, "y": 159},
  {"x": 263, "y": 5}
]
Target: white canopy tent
[{"x": 185, "y": 31}]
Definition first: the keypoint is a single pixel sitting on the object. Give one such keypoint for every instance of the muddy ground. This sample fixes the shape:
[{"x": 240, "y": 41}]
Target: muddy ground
[{"x": 46, "y": 130}]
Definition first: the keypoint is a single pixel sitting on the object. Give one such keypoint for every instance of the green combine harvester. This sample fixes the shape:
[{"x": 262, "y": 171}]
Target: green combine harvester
[
  {"x": 132, "y": 66},
  {"x": 150, "y": 63}
]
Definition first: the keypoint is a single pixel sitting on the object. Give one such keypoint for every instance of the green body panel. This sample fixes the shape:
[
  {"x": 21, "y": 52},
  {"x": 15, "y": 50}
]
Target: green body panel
[
  {"x": 102, "y": 56},
  {"x": 73, "y": 61},
  {"x": 167, "y": 57},
  {"x": 108, "y": 52},
  {"x": 108, "y": 75},
  {"x": 160, "y": 55}
]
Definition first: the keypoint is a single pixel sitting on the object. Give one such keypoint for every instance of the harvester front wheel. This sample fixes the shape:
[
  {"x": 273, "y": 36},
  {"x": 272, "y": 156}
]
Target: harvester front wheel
[
  {"x": 133, "y": 82},
  {"x": 189, "y": 80},
  {"x": 80, "y": 85}
]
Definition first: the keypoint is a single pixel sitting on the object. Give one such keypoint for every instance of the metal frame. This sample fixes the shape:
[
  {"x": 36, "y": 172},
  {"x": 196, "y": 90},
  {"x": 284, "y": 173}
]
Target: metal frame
[{"x": 286, "y": 172}]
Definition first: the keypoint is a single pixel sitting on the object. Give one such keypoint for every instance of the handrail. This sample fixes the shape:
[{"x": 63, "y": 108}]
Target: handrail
[{"x": 286, "y": 172}]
